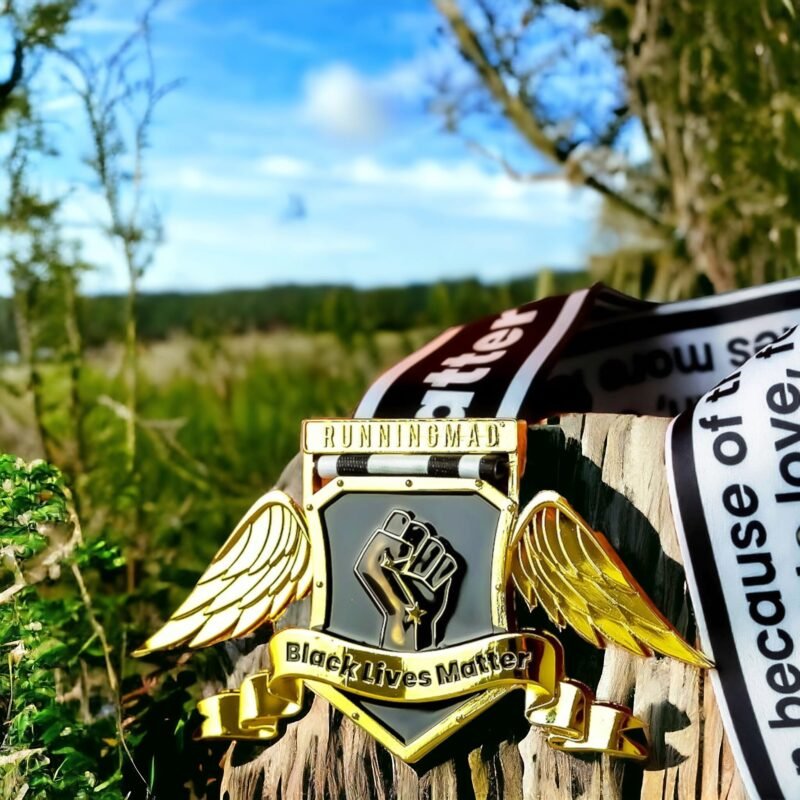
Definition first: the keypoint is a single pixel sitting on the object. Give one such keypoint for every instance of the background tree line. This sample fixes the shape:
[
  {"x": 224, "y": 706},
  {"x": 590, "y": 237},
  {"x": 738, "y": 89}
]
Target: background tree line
[{"x": 342, "y": 310}]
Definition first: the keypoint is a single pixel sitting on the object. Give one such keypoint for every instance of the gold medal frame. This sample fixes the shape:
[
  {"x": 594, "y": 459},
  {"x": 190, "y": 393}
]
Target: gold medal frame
[{"x": 317, "y": 498}]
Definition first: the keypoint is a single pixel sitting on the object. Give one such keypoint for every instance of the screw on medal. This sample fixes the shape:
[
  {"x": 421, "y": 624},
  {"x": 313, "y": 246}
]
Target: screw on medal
[{"x": 404, "y": 524}]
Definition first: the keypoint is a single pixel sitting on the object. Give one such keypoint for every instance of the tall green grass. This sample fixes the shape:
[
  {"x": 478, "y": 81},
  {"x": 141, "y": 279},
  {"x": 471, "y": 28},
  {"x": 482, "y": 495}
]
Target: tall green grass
[{"x": 218, "y": 420}]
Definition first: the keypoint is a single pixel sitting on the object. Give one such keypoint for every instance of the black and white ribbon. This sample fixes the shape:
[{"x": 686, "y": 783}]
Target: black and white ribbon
[
  {"x": 735, "y": 484},
  {"x": 728, "y": 368}
]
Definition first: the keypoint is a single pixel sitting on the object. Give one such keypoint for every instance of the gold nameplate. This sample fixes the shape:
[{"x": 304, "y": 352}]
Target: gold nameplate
[
  {"x": 411, "y": 543},
  {"x": 408, "y": 436}
]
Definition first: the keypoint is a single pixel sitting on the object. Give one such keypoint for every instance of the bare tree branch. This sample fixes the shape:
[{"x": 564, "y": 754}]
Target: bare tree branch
[
  {"x": 519, "y": 113},
  {"x": 507, "y": 167},
  {"x": 15, "y": 74}
]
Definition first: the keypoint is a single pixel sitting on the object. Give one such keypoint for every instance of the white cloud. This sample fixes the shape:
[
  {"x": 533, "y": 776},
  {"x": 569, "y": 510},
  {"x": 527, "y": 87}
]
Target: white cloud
[
  {"x": 425, "y": 176},
  {"x": 64, "y": 102},
  {"x": 284, "y": 166},
  {"x": 430, "y": 176},
  {"x": 340, "y": 102},
  {"x": 461, "y": 189},
  {"x": 389, "y": 199},
  {"x": 211, "y": 181},
  {"x": 408, "y": 81},
  {"x": 413, "y": 81},
  {"x": 255, "y": 234},
  {"x": 371, "y": 221},
  {"x": 465, "y": 184}
]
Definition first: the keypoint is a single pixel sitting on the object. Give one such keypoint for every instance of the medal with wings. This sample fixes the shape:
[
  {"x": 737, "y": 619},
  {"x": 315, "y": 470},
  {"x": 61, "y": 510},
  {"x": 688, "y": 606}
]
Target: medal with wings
[{"x": 393, "y": 545}]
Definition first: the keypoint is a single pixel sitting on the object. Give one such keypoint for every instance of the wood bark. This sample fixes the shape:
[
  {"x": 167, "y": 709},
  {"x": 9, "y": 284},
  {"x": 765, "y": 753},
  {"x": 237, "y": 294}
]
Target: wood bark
[{"x": 611, "y": 468}]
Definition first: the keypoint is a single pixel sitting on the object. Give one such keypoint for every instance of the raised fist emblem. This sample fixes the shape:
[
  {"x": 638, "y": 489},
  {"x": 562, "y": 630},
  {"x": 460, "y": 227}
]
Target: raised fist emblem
[{"x": 408, "y": 572}]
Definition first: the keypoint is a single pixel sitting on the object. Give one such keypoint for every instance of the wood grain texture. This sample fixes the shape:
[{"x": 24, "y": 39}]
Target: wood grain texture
[{"x": 611, "y": 468}]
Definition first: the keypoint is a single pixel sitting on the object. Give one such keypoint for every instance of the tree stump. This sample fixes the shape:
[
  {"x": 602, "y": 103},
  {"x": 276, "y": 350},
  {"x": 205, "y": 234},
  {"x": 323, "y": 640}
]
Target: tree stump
[{"x": 611, "y": 469}]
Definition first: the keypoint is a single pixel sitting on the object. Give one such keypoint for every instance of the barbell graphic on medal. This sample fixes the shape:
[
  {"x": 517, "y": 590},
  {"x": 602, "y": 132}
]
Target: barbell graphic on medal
[{"x": 397, "y": 567}]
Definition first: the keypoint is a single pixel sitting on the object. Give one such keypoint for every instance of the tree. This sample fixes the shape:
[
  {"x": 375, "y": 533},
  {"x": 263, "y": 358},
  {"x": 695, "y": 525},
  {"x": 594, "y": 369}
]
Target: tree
[{"x": 712, "y": 87}]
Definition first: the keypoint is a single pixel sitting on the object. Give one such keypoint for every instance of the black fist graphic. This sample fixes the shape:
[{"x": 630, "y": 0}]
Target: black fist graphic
[{"x": 408, "y": 572}]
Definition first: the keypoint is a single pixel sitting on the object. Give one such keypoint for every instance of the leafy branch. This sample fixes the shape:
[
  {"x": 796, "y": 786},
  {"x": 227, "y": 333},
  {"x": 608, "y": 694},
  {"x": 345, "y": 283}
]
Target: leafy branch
[{"x": 50, "y": 643}]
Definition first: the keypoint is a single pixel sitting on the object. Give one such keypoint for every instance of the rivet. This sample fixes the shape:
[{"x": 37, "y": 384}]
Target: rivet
[
  {"x": 355, "y": 715},
  {"x": 340, "y": 482},
  {"x": 478, "y": 484},
  {"x": 320, "y": 584},
  {"x": 510, "y": 507},
  {"x": 409, "y": 483},
  {"x": 309, "y": 506}
]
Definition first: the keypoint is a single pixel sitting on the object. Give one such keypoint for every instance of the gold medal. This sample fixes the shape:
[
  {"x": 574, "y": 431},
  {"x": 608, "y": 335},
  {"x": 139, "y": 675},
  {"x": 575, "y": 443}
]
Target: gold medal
[{"x": 412, "y": 545}]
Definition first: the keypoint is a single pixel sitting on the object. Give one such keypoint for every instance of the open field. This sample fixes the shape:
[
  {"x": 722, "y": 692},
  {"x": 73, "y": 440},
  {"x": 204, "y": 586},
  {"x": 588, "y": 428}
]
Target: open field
[
  {"x": 218, "y": 419},
  {"x": 253, "y": 385}
]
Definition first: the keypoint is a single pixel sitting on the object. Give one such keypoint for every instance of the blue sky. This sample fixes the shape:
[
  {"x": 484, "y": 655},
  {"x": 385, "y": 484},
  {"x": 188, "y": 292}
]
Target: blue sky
[{"x": 299, "y": 149}]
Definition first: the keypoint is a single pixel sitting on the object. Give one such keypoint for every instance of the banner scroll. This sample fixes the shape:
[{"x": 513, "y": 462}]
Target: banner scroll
[{"x": 532, "y": 661}]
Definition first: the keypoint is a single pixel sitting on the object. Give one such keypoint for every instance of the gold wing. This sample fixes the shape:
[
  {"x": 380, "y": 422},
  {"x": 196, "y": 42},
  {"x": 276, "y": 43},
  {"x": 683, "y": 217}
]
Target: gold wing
[
  {"x": 261, "y": 569},
  {"x": 559, "y": 562}
]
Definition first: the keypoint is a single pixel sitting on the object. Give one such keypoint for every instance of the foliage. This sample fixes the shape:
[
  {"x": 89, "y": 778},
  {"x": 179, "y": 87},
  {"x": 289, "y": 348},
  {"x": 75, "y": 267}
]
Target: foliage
[
  {"x": 713, "y": 88},
  {"x": 72, "y": 729},
  {"x": 34, "y": 27},
  {"x": 59, "y": 732}
]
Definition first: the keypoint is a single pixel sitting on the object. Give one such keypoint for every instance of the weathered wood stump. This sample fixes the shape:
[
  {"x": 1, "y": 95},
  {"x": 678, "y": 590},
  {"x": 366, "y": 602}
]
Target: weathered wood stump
[{"x": 611, "y": 468}]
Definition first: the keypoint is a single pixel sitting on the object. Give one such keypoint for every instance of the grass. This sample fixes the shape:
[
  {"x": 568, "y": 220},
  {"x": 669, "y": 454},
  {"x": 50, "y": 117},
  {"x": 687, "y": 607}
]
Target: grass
[{"x": 218, "y": 419}]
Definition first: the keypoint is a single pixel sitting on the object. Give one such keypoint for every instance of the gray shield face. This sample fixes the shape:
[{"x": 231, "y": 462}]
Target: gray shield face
[{"x": 409, "y": 572}]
